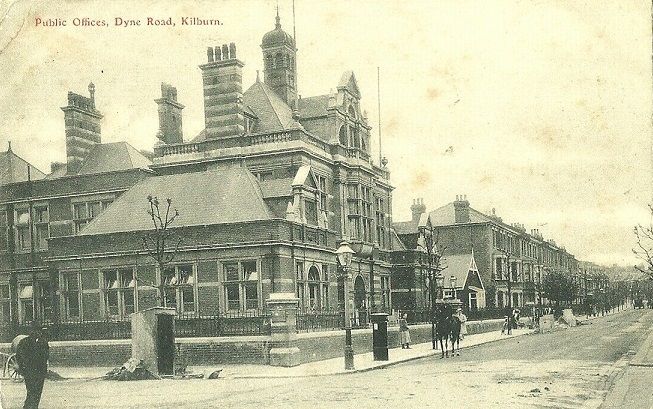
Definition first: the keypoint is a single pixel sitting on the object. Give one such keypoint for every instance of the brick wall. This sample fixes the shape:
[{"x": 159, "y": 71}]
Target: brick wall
[{"x": 239, "y": 350}]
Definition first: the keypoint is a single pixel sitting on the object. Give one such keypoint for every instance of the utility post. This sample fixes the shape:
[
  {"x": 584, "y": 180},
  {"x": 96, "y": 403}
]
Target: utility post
[{"x": 506, "y": 253}]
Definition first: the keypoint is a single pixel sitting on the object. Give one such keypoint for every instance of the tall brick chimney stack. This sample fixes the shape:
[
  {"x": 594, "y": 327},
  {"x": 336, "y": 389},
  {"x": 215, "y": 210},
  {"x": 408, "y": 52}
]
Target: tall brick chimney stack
[
  {"x": 170, "y": 129},
  {"x": 461, "y": 209},
  {"x": 223, "y": 93},
  {"x": 83, "y": 131},
  {"x": 417, "y": 208}
]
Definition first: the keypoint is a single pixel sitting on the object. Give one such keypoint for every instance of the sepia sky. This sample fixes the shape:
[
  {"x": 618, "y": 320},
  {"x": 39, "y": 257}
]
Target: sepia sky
[{"x": 540, "y": 109}]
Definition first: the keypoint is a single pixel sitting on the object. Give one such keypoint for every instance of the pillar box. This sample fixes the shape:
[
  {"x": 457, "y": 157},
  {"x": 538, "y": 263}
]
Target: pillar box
[
  {"x": 153, "y": 339},
  {"x": 283, "y": 327},
  {"x": 380, "y": 336}
]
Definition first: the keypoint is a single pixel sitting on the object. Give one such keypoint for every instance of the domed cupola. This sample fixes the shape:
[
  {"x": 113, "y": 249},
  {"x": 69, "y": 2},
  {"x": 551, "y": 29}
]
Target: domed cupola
[
  {"x": 280, "y": 66},
  {"x": 277, "y": 36}
]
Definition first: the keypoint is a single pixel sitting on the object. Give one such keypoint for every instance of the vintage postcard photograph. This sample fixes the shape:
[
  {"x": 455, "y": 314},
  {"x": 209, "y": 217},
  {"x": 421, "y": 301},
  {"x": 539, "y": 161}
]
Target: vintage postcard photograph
[{"x": 334, "y": 204}]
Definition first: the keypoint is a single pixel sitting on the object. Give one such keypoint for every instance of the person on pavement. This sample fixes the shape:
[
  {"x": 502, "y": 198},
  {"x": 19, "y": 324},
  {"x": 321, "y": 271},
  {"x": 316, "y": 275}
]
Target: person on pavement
[
  {"x": 32, "y": 355},
  {"x": 463, "y": 322},
  {"x": 404, "y": 332},
  {"x": 507, "y": 323}
]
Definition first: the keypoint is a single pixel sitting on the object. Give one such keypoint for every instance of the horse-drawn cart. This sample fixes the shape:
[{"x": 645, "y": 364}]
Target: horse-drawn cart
[
  {"x": 10, "y": 367},
  {"x": 10, "y": 363}
]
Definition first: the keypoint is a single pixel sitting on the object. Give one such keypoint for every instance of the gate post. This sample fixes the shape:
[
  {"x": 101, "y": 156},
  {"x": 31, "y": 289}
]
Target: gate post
[
  {"x": 153, "y": 339},
  {"x": 283, "y": 327}
]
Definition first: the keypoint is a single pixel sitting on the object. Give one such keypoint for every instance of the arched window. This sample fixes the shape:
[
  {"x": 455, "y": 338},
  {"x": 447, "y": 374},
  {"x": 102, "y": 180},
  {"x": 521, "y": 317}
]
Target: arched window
[
  {"x": 278, "y": 60},
  {"x": 353, "y": 135},
  {"x": 351, "y": 112},
  {"x": 342, "y": 135},
  {"x": 313, "y": 288}
]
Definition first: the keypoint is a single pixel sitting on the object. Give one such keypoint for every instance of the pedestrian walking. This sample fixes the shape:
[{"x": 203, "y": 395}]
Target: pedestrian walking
[
  {"x": 507, "y": 321},
  {"x": 32, "y": 355},
  {"x": 516, "y": 314},
  {"x": 404, "y": 332},
  {"x": 463, "y": 322}
]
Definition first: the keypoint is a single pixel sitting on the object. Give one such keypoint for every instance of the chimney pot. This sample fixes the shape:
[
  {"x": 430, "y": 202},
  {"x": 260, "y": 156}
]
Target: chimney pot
[{"x": 417, "y": 209}]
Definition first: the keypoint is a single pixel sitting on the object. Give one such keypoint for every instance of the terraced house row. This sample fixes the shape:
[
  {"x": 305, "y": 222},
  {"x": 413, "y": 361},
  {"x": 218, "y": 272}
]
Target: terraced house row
[{"x": 265, "y": 194}]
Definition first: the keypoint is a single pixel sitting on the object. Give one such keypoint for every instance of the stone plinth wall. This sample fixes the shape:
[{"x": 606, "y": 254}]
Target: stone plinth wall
[{"x": 313, "y": 346}]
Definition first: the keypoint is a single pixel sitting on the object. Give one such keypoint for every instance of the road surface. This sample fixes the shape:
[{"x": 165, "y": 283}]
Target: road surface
[{"x": 571, "y": 368}]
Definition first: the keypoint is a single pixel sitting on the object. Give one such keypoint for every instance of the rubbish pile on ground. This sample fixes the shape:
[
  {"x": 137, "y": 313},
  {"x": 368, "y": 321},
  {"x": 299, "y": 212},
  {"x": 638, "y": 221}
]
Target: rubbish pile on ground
[{"x": 132, "y": 370}]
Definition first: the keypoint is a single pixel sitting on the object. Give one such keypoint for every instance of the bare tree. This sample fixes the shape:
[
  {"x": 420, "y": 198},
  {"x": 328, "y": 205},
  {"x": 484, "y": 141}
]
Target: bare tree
[
  {"x": 157, "y": 242},
  {"x": 644, "y": 248},
  {"x": 429, "y": 244}
]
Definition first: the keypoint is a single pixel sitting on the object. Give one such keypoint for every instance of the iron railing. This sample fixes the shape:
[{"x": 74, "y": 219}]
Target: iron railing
[
  {"x": 186, "y": 325},
  {"x": 312, "y": 322},
  {"x": 330, "y": 321}
]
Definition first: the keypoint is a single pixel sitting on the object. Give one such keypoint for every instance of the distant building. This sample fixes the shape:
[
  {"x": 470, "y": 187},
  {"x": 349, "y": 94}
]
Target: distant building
[
  {"x": 411, "y": 269},
  {"x": 501, "y": 251}
]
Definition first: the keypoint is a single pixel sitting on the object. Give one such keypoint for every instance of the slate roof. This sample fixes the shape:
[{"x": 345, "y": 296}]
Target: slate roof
[
  {"x": 411, "y": 226},
  {"x": 13, "y": 169},
  {"x": 272, "y": 112},
  {"x": 110, "y": 157},
  {"x": 397, "y": 244},
  {"x": 281, "y": 187},
  {"x": 312, "y": 107},
  {"x": 224, "y": 195},
  {"x": 458, "y": 265},
  {"x": 446, "y": 215},
  {"x": 405, "y": 227}
]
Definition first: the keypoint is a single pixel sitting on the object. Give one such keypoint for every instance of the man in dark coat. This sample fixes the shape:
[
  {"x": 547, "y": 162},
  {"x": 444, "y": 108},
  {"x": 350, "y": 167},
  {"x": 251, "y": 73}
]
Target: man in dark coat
[{"x": 32, "y": 357}]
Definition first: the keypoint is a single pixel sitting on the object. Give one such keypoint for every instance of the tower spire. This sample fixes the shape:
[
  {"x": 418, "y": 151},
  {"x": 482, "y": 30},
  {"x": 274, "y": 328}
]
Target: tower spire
[{"x": 278, "y": 19}]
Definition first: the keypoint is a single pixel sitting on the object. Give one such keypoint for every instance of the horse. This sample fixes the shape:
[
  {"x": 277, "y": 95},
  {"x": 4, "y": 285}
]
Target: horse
[
  {"x": 443, "y": 326},
  {"x": 454, "y": 334}
]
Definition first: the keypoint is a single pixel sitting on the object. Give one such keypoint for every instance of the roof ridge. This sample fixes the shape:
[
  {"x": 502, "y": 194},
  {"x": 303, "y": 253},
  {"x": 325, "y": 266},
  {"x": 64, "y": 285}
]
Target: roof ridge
[
  {"x": 268, "y": 96},
  {"x": 257, "y": 188}
]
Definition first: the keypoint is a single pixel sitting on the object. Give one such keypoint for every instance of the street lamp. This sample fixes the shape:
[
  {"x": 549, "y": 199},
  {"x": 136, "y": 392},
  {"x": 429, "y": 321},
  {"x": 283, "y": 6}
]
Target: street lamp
[
  {"x": 452, "y": 282},
  {"x": 439, "y": 284},
  {"x": 344, "y": 255}
]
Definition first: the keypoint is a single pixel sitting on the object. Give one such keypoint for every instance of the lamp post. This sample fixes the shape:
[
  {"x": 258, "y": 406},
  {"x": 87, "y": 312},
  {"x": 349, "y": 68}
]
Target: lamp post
[
  {"x": 439, "y": 284},
  {"x": 509, "y": 288},
  {"x": 452, "y": 282},
  {"x": 344, "y": 255}
]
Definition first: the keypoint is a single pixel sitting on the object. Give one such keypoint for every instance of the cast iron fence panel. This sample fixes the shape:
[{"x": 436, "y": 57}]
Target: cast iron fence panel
[
  {"x": 321, "y": 321},
  {"x": 196, "y": 325}
]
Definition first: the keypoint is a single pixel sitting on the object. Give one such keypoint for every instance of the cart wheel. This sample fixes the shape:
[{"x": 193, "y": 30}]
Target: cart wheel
[{"x": 12, "y": 369}]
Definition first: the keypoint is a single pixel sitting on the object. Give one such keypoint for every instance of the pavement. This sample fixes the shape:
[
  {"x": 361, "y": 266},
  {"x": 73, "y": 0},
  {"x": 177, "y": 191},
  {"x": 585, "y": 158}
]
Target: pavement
[
  {"x": 632, "y": 389},
  {"x": 335, "y": 366},
  {"x": 644, "y": 356}
]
